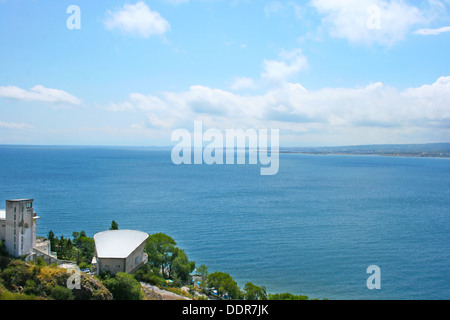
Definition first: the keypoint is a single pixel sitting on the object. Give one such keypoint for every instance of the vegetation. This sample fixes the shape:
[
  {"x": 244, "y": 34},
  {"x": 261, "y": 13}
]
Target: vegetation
[
  {"x": 3, "y": 252},
  {"x": 23, "y": 281},
  {"x": 224, "y": 284},
  {"x": 253, "y": 292},
  {"x": 149, "y": 275},
  {"x": 166, "y": 260},
  {"x": 124, "y": 287},
  {"x": 81, "y": 249},
  {"x": 114, "y": 226},
  {"x": 286, "y": 296},
  {"x": 168, "y": 267}
]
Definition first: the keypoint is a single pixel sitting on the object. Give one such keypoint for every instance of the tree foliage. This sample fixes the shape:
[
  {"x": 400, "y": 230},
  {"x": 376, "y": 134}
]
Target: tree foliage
[
  {"x": 224, "y": 284},
  {"x": 253, "y": 292},
  {"x": 81, "y": 249},
  {"x": 3, "y": 251},
  {"x": 114, "y": 226},
  {"x": 286, "y": 296},
  {"x": 124, "y": 287},
  {"x": 164, "y": 256}
]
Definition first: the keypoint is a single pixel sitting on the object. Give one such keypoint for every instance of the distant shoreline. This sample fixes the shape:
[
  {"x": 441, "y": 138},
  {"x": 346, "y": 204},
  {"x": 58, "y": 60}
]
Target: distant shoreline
[
  {"x": 369, "y": 154},
  {"x": 429, "y": 150}
]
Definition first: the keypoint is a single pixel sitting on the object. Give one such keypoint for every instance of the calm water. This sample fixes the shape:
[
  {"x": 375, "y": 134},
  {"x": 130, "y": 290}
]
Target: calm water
[{"x": 312, "y": 229}]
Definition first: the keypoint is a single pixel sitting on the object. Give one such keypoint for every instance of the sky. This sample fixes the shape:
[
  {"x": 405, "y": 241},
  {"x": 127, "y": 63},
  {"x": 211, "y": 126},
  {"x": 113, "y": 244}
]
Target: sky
[{"x": 129, "y": 73}]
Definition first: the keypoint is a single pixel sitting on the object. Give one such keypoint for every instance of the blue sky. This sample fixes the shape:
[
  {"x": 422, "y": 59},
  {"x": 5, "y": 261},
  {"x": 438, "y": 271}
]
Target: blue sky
[{"x": 322, "y": 72}]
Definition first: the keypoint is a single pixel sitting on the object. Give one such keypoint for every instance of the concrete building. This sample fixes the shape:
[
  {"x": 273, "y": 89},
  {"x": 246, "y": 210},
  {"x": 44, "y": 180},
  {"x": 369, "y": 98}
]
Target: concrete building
[
  {"x": 119, "y": 251},
  {"x": 18, "y": 231},
  {"x": 18, "y": 227}
]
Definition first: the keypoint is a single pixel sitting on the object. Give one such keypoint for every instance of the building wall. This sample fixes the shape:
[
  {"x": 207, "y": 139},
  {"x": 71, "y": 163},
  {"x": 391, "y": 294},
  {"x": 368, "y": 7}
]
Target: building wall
[
  {"x": 112, "y": 265},
  {"x": 128, "y": 265},
  {"x": 20, "y": 229},
  {"x": 136, "y": 259}
]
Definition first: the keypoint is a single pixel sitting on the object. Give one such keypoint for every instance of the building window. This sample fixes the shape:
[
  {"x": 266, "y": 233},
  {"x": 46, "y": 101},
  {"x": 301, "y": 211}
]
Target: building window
[
  {"x": 28, "y": 205},
  {"x": 107, "y": 266},
  {"x": 136, "y": 261},
  {"x": 117, "y": 266}
]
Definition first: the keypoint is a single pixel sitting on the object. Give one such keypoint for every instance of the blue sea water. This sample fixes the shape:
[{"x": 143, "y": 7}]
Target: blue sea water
[{"x": 312, "y": 229}]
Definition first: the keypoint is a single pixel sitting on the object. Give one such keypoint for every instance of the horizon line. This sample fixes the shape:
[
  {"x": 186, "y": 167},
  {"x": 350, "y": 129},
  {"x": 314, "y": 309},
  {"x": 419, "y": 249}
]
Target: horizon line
[{"x": 171, "y": 146}]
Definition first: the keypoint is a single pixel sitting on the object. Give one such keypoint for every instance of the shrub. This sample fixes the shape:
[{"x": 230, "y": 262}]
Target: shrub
[
  {"x": 286, "y": 296},
  {"x": 124, "y": 287},
  {"x": 61, "y": 293}
]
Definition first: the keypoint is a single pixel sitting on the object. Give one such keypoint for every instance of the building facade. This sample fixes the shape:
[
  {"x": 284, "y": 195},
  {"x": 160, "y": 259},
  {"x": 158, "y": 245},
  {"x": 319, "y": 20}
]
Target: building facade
[
  {"x": 18, "y": 227},
  {"x": 119, "y": 251},
  {"x": 18, "y": 224}
]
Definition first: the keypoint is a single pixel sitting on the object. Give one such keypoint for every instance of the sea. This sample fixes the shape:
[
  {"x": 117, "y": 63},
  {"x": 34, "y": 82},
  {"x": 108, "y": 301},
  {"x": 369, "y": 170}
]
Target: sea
[{"x": 313, "y": 229}]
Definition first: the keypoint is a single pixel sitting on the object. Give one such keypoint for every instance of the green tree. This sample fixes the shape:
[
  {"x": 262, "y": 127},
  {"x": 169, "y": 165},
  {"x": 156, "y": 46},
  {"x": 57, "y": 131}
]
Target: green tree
[
  {"x": 114, "y": 226},
  {"x": 52, "y": 239},
  {"x": 149, "y": 275},
  {"x": 181, "y": 265},
  {"x": 61, "y": 293},
  {"x": 203, "y": 272},
  {"x": 224, "y": 283},
  {"x": 163, "y": 255},
  {"x": 161, "y": 249},
  {"x": 253, "y": 292},
  {"x": 3, "y": 251},
  {"x": 85, "y": 246},
  {"x": 286, "y": 296},
  {"x": 16, "y": 274},
  {"x": 124, "y": 287}
]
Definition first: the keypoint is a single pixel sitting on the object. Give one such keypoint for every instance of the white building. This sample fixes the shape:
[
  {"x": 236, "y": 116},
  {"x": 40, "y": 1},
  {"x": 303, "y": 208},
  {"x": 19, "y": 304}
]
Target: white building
[
  {"x": 18, "y": 227},
  {"x": 119, "y": 251},
  {"x": 18, "y": 231}
]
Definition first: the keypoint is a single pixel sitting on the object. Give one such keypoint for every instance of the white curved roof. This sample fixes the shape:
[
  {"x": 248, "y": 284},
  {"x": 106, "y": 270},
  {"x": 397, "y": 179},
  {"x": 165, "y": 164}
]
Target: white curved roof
[{"x": 118, "y": 243}]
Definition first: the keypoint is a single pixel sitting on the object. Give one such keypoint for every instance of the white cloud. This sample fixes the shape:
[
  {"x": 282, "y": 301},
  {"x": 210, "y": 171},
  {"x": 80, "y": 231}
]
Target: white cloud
[
  {"x": 15, "y": 126},
  {"x": 273, "y": 7},
  {"x": 243, "y": 83},
  {"x": 137, "y": 20},
  {"x": 116, "y": 107},
  {"x": 289, "y": 65},
  {"x": 39, "y": 93},
  {"x": 354, "y": 20},
  {"x": 434, "y": 32},
  {"x": 329, "y": 114}
]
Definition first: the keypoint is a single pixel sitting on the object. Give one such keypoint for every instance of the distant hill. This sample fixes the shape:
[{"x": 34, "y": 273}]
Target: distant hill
[{"x": 407, "y": 150}]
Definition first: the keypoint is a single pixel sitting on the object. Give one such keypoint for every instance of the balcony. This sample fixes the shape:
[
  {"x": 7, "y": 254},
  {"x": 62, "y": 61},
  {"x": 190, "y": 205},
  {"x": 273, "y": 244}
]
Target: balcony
[{"x": 145, "y": 258}]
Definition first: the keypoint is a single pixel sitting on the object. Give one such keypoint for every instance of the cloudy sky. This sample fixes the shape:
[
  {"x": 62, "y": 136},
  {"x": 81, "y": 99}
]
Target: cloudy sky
[{"x": 339, "y": 72}]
